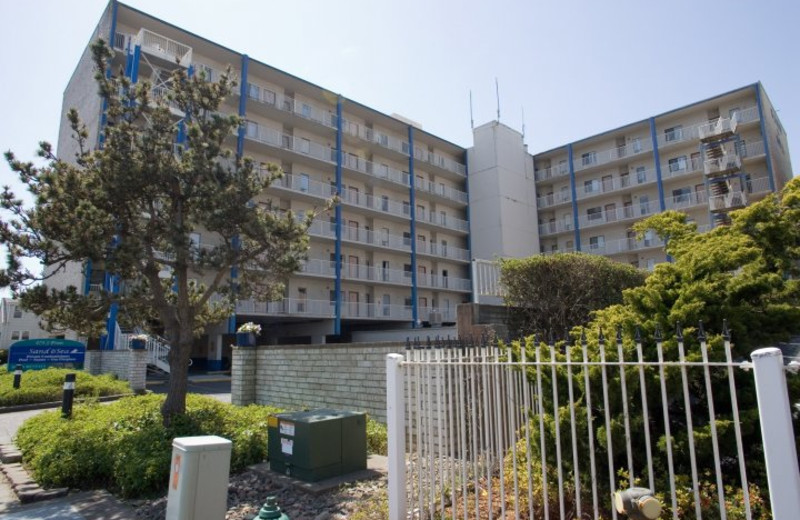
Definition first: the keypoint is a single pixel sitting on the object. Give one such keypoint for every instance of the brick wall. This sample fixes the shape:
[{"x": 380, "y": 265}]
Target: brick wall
[
  {"x": 348, "y": 376},
  {"x": 129, "y": 365}
]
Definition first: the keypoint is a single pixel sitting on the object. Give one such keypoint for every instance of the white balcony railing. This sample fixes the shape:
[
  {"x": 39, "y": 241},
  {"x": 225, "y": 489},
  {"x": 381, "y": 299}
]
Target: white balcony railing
[
  {"x": 634, "y": 211},
  {"x": 631, "y": 149},
  {"x": 551, "y": 228},
  {"x": 553, "y": 172},
  {"x": 553, "y": 199},
  {"x": 727, "y": 163},
  {"x": 165, "y": 48},
  {"x": 757, "y": 186},
  {"x": 687, "y": 200},
  {"x": 719, "y": 128},
  {"x": 441, "y": 190},
  {"x": 441, "y": 250},
  {"x": 732, "y": 200},
  {"x": 601, "y": 186},
  {"x": 370, "y": 135},
  {"x": 287, "y": 306},
  {"x": 302, "y": 146}
]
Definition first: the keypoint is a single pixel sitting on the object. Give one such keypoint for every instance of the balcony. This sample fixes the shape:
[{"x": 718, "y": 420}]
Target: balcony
[
  {"x": 687, "y": 200},
  {"x": 298, "y": 145},
  {"x": 434, "y": 281},
  {"x": 726, "y": 163},
  {"x": 554, "y": 172},
  {"x": 383, "y": 205},
  {"x": 379, "y": 171},
  {"x": 376, "y": 137},
  {"x": 553, "y": 199},
  {"x": 442, "y": 220},
  {"x": 553, "y": 228},
  {"x": 442, "y": 251},
  {"x": 318, "y": 267},
  {"x": 594, "y": 159},
  {"x": 734, "y": 199},
  {"x": 678, "y": 169},
  {"x": 382, "y": 311},
  {"x": 288, "y": 306},
  {"x": 758, "y": 186},
  {"x": 302, "y": 109},
  {"x": 442, "y": 162},
  {"x": 623, "y": 245},
  {"x": 303, "y": 184},
  {"x": 164, "y": 48},
  {"x": 718, "y": 129},
  {"x": 442, "y": 191},
  {"x": 634, "y": 211},
  {"x": 596, "y": 187}
]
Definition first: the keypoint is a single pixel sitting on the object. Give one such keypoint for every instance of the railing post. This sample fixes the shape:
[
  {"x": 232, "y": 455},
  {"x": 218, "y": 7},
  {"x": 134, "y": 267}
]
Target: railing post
[
  {"x": 395, "y": 423},
  {"x": 783, "y": 475}
]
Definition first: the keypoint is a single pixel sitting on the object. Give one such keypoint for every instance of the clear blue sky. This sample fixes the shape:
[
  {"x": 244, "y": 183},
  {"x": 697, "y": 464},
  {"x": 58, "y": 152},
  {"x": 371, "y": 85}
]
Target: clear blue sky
[{"x": 576, "y": 67}]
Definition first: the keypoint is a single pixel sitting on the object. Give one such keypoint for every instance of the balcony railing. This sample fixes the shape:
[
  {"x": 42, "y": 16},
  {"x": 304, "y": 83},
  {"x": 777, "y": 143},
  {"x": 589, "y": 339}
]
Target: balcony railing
[
  {"x": 303, "y": 109},
  {"x": 551, "y": 228},
  {"x": 722, "y": 127},
  {"x": 280, "y": 140},
  {"x": 677, "y": 169},
  {"x": 687, "y": 200},
  {"x": 435, "y": 281},
  {"x": 440, "y": 161},
  {"x": 760, "y": 185},
  {"x": 633, "y": 211},
  {"x": 441, "y": 190},
  {"x": 553, "y": 199},
  {"x": 444, "y": 251},
  {"x": 165, "y": 48},
  {"x": 729, "y": 162},
  {"x": 287, "y": 306},
  {"x": 599, "y": 187},
  {"x": 374, "y": 136},
  {"x": 631, "y": 149},
  {"x": 553, "y": 172},
  {"x": 753, "y": 149},
  {"x": 732, "y": 200},
  {"x": 357, "y": 310},
  {"x": 319, "y": 267}
]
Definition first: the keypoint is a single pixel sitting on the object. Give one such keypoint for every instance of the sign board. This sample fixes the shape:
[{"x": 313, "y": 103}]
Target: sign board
[{"x": 36, "y": 354}]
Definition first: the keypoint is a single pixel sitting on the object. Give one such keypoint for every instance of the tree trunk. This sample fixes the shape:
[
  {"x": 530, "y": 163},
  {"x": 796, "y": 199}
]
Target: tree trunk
[{"x": 179, "y": 355}]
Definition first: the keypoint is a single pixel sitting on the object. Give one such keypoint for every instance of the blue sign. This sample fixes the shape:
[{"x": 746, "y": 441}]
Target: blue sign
[{"x": 36, "y": 354}]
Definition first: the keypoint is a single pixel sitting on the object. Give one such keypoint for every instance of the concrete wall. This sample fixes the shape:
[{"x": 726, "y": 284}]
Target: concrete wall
[
  {"x": 502, "y": 194},
  {"x": 129, "y": 365},
  {"x": 348, "y": 376}
]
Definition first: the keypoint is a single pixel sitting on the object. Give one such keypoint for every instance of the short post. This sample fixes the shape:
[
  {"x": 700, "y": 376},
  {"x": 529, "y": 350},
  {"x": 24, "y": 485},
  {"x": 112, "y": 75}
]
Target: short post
[
  {"x": 69, "y": 393},
  {"x": 395, "y": 425},
  {"x": 17, "y": 376},
  {"x": 783, "y": 475}
]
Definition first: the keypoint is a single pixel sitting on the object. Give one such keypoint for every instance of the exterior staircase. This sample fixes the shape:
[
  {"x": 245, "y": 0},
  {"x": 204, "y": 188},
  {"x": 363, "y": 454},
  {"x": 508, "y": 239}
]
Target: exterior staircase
[{"x": 157, "y": 349}]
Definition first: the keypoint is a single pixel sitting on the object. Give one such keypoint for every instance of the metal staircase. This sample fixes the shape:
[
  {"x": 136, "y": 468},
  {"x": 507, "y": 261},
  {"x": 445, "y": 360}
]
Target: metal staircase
[
  {"x": 720, "y": 146},
  {"x": 156, "y": 346}
]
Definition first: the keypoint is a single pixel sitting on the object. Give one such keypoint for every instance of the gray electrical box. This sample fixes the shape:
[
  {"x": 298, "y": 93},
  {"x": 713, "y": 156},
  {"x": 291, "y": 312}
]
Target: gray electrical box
[{"x": 317, "y": 444}]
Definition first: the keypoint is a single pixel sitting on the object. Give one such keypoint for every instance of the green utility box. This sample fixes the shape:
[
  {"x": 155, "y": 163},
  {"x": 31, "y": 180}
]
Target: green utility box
[{"x": 318, "y": 444}]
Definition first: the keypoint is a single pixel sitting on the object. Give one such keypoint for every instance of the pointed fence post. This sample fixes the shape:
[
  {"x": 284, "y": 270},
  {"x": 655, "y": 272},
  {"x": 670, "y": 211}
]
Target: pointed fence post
[
  {"x": 774, "y": 410},
  {"x": 395, "y": 424}
]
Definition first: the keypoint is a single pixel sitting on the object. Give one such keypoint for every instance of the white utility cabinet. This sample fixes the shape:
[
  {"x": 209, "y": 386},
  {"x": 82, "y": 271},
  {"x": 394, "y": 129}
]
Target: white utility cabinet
[{"x": 198, "y": 481}]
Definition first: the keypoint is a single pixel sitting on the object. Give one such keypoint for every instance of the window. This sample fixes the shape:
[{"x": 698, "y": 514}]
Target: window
[
  {"x": 406, "y": 207},
  {"x": 651, "y": 264},
  {"x": 385, "y": 236},
  {"x": 17, "y": 312},
  {"x": 383, "y": 170},
  {"x": 420, "y": 182},
  {"x": 678, "y": 164},
  {"x": 384, "y": 203},
  {"x": 597, "y": 243},
  {"x": 252, "y": 129},
  {"x": 14, "y": 335},
  {"x": 304, "y": 182},
  {"x": 649, "y": 236},
  {"x": 589, "y": 158},
  {"x": 269, "y": 96},
  {"x": 608, "y": 183},
  {"x": 442, "y": 189},
  {"x": 637, "y": 145},
  {"x": 444, "y": 247},
  {"x": 624, "y": 179},
  {"x": 254, "y": 91},
  {"x": 562, "y": 166},
  {"x": 306, "y": 110},
  {"x": 674, "y": 133},
  {"x": 644, "y": 205},
  {"x": 420, "y": 212},
  {"x": 406, "y": 238},
  {"x": 407, "y": 270},
  {"x": 681, "y": 195},
  {"x": 352, "y": 194},
  {"x": 386, "y": 304},
  {"x": 302, "y": 296},
  {"x": 641, "y": 175},
  {"x": 443, "y": 218},
  {"x": 592, "y": 186},
  {"x": 305, "y": 145},
  {"x": 595, "y": 213},
  {"x": 352, "y": 266},
  {"x": 26, "y": 334}
]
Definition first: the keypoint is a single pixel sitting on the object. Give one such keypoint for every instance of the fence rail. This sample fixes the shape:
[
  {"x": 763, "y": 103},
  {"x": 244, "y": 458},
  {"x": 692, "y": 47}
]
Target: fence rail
[{"x": 542, "y": 430}]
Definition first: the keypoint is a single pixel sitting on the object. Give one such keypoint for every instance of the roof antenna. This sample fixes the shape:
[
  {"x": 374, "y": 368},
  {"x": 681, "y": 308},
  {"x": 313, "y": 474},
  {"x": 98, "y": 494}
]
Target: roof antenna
[
  {"x": 471, "y": 117},
  {"x": 523, "y": 123},
  {"x": 497, "y": 90}
]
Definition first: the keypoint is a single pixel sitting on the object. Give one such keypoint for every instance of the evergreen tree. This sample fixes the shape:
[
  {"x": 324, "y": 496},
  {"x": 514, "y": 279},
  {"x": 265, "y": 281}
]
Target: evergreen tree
[{"x": 130, "y": 207}]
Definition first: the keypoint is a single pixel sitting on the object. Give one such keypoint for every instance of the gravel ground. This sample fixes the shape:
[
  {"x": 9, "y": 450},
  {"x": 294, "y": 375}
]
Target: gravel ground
[{"x": 248, "y": 491}]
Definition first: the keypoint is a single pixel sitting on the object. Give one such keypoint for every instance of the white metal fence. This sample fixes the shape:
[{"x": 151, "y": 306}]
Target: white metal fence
[{"x": 481, "y": 430}]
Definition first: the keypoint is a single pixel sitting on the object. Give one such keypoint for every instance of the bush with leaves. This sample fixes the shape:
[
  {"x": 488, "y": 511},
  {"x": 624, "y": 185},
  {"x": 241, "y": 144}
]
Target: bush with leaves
[{"x": 43, "y": 386}]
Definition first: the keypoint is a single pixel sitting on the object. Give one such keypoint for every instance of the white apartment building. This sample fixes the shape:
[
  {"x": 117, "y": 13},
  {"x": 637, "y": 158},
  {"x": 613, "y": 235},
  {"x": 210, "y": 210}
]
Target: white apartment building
[
  {"x": 416, "y": 209},
  {"x": 17, "y": 324},
  {"x": 393, "y": 254}
]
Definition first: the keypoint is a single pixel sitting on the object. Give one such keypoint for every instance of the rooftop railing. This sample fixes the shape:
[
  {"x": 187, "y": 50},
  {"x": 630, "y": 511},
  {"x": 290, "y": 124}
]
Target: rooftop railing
[{"x": 165, "y": 48}]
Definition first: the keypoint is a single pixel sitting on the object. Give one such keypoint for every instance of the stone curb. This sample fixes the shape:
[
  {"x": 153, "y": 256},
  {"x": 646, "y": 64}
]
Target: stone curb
[{"x": 26, "y": 489}]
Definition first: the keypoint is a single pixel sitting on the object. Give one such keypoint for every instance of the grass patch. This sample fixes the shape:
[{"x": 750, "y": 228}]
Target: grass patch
[{"x": 43, "y": 386}]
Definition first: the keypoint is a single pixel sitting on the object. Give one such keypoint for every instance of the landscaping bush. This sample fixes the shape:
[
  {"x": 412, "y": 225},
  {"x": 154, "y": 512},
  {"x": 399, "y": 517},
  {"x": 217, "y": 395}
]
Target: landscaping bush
[
  {"x": 3, "y": 357},
  {"x": 42, "y": 386},
  {"x": 124, "y": 446}
]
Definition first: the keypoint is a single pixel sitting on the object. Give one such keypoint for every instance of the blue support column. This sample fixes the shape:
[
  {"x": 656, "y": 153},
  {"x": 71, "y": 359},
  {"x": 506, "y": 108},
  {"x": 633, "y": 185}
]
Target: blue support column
[
  {"x": 337, "y": 293},
  {"x": 111, "y": 35},
  {"x": 574, "y": 198},
  {"x": 239, "y": 154},
  {"x": 413, "y": 199},
  {"x": 657, "y": 160},
  {"x": 765, "y": 137}
]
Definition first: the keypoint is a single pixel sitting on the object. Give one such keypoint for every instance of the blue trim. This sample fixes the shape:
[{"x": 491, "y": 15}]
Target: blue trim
[
  {"x": 337, "y": 323},
  {"x": 87, "y": 277},
  {"x": 413, "y": 203},
  {"x": 101, "y": 138},
  {"x": 137, "y": 53},
  {"x": 657, "y": 159},
  {"x": 242, "y": 106},
  {"x": 574, "y": 199},
  {"x": 113, "y": 30},
  {"x": 765, "y": 137}
]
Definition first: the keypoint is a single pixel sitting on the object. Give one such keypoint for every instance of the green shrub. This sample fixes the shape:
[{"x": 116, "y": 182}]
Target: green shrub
[
  {"x": 377, "y": 438},
  {"x": 42, "y": 386},
  {"x": 3, "y": 357},
  {"x": 123, "y": 446}
]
